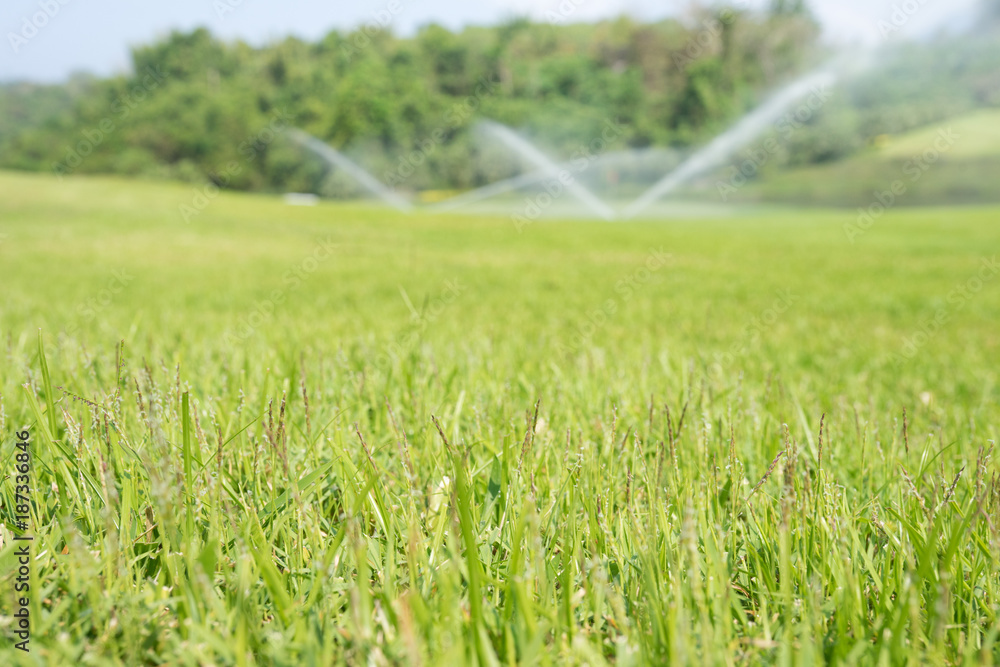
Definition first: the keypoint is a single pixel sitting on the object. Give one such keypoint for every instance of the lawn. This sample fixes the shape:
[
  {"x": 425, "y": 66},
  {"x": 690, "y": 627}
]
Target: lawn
[{"x": 305, "y": 435}]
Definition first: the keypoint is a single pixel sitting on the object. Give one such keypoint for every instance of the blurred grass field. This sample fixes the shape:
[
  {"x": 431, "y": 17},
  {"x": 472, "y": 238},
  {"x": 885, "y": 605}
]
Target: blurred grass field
[{"x": 630, "y": 465}]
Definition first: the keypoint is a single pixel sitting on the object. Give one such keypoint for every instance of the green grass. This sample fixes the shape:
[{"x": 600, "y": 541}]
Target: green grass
[
  {"x": 576, "y": 451},
  {"x": 960, "y": 168},
  {"x": 981, "y": 128}
]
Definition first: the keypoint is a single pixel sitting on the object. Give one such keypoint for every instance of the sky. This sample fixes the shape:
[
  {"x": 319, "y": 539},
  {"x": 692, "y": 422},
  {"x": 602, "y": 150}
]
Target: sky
[{"x": 47, "y": 40}]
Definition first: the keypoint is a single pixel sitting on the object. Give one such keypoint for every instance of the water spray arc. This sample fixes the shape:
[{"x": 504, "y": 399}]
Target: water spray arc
[
  {"x": 491, "y": 190},
  {"x": 548, "y": 167},
  {"x": 752, "y": 125},
  {"x": 712, "y": 156},
  {"x": 616, "y": 159},
  {"x": 337, "y": 159}
]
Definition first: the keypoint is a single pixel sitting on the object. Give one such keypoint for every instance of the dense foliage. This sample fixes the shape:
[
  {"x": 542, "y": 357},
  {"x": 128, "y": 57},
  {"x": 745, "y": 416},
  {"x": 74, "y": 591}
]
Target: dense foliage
[
  {"x": 199, "y": 109},
  {"x": 194, "y": 101}
]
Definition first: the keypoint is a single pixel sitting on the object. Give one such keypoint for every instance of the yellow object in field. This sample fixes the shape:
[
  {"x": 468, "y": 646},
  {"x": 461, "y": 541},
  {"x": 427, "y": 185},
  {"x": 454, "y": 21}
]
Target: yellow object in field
[
  {"x": 881, "y": 141},
  {"x": 434, "y": 196}
]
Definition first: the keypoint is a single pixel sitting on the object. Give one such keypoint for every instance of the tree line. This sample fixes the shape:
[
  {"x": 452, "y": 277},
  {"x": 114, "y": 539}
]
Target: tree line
[{"x": 406, "y": 107}]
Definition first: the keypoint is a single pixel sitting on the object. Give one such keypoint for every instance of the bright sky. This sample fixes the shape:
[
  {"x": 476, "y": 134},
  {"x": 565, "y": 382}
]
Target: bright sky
[{"x": 46, "y": 40}]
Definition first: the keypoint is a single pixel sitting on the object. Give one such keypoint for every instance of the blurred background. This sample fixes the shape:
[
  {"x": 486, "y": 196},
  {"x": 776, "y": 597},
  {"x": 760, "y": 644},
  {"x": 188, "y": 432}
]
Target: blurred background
[{"x": 504, "y": 105}]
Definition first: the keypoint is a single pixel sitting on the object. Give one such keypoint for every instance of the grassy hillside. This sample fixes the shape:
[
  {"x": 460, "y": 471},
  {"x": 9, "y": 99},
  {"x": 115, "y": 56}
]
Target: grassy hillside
[
  {"x": 977, "y": 136},
  {"x": 340, "y": 433},
  {"x": 953, "y": 161}
]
